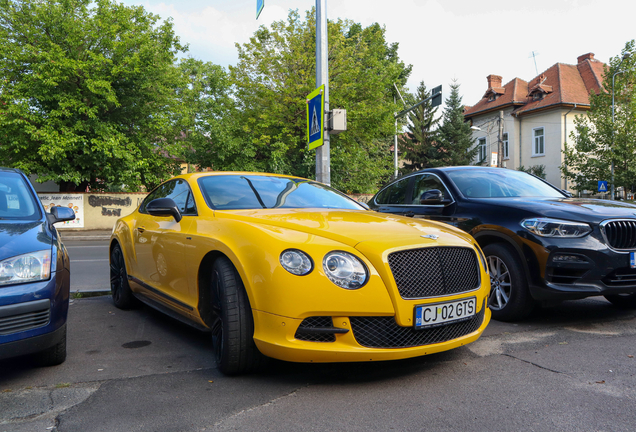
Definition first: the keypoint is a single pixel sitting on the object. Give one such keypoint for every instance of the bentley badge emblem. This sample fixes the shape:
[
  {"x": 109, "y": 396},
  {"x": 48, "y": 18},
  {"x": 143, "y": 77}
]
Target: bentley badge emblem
[{"x": 430, "y": 236}]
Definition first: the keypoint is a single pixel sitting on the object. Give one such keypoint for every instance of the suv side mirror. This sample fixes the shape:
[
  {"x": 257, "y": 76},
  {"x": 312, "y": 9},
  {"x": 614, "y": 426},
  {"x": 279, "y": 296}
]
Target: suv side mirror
[
  {"x": 164, "y": 207},
  {"x": 567, "y": 193},
  {"x": 61, "y": 214}
]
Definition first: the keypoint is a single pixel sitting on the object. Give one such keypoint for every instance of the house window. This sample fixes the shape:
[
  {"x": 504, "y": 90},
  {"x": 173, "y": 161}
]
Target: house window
[
  {"x": 481, "y": 143},
  {"x": 538, "y": 149},
  {"x": 505, "y": 146}
]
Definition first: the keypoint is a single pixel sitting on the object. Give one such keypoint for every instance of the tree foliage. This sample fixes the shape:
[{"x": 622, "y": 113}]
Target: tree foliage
[
  {"x": 598, "y": 140},
  {"x": 455, "y": 139},
  {"x": 274, "y": 75},
  {"x": 418, "y": 143},
  {"x": 87, "y": 92},
  {"x": 206, "y": 116}
]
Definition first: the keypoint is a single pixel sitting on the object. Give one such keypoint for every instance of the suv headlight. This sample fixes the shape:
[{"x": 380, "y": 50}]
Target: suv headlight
[
  {"x": 345, "y": 270},
  {"x": 31, "y": 267},
  {"x": 546, "y": 227}
]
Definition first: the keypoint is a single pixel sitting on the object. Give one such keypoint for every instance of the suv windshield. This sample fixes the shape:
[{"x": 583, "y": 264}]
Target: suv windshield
[
  {"x": 16, "y": 199},
  {"x": 500, "y": 182},
  {"x": 234, "y": 192}
]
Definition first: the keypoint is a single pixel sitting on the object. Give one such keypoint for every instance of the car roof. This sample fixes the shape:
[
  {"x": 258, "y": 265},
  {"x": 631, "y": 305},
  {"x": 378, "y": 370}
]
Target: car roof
[
  {"x": 198, "y": 175},
  {"x": 5, "y": 169}
]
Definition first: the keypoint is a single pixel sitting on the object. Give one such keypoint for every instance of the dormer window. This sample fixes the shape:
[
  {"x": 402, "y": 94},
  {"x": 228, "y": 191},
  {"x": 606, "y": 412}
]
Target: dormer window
[{"x": 537, "y": 96}]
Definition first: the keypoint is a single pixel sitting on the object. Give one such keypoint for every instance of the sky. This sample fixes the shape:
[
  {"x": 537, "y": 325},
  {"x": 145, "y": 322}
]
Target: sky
[{"x": 444, "y": 40}]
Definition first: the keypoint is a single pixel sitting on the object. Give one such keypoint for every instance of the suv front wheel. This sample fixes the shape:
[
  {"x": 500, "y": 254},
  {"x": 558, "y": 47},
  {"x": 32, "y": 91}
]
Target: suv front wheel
[{"x": 510, "y": 298}]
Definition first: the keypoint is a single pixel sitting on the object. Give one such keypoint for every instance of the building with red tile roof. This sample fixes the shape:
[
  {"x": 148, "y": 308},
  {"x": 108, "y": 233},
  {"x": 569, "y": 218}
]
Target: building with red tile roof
[{"x": 538, "y": 115}]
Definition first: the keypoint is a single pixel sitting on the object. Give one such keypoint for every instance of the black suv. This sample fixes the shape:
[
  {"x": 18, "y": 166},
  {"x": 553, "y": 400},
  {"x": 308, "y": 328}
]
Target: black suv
[{"x": 540, "y": 243}]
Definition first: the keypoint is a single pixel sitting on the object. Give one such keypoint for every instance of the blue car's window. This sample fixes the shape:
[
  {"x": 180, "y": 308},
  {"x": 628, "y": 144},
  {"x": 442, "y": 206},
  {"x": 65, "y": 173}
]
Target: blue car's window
[
  {"x": 16, "y": 199},
  {"x": 498, "y": 182},
  {"x": 234, "y": 192}
]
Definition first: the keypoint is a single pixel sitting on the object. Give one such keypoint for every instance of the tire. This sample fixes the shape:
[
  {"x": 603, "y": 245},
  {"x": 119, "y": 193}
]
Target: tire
[
  {"x": 510, "y": 298},
  {"x": 54, "y": 355},
  {"x": 233, "y": 328},
  {"x": 123, "y": 296},
  {"x": 623, "y": 301}
]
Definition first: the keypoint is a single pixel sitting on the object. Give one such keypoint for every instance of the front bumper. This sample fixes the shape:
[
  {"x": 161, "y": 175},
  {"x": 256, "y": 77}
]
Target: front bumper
[
  {"x": 32, "y": 315},
  {"x": 371, "y": 338},
  {"x": 579, "y": 268}
]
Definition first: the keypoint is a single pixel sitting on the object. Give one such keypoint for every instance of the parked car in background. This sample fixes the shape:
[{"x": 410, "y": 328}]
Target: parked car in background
[
  {"x": 292, "y": 269},
  {"x": 540, "y": 243},
  {"x": 34, "y": 273}
]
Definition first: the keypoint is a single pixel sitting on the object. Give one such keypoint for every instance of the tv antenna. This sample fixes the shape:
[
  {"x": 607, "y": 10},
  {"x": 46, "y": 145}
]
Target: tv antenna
[{"x": 534, "y": 55}]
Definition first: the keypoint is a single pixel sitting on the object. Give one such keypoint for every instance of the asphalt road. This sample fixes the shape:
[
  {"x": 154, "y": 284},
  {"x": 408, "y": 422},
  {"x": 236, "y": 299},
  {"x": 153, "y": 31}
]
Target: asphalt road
[
  {"x": 568, "y": 368},
  {"x": 89, "y": 265}
]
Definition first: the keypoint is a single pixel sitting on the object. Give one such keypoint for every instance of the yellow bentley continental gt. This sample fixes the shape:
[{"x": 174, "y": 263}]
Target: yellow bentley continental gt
[{"x": 292, "y": 269}]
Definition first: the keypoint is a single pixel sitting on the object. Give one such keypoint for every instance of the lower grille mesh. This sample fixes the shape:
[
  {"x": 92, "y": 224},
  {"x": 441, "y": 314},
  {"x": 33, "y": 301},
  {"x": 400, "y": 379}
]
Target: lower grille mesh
[{"x": 383, "y": 332}]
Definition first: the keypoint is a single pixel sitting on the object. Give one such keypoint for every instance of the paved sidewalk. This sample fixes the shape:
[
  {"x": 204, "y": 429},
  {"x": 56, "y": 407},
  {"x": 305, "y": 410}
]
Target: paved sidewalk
[{"x": 68, "y": 235}]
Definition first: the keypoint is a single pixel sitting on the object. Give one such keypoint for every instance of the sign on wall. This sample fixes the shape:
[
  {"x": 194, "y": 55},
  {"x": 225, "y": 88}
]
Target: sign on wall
[{"x": 73, "y": 201}]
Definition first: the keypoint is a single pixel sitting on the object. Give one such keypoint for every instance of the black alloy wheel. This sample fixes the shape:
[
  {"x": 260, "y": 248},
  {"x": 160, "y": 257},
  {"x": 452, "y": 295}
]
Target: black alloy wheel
[
  {"x": 233, "y": 327},
  {"x": 510, "y": 298},
  {"x": 123, "y": 296}
]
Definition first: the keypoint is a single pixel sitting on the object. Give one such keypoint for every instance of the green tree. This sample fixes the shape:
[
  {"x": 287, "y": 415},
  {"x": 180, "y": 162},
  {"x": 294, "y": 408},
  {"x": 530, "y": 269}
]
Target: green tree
[
  {"x": 418, "y": 143},
  {"x": 455, "y": 139},
  {"x": 206, "y": 116},
  {"x": 276, "y": 72},
  {"x": 87, "y": 92},
  {"x": 597, "y": 140},
  {"x": 538, "y": 170}
]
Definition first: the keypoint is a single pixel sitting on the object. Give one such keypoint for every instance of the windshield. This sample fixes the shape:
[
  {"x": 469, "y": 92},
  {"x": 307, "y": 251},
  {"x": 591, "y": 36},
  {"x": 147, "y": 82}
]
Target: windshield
[
  {"x": 500, "y": 182},
  {"x": 238, "y": 192},
  {"x": 16, "y": 199}
]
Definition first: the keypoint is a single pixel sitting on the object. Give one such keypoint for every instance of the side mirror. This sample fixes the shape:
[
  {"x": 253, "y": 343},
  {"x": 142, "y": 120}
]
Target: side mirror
[
  {"x": 433, "y": 196},
  {"x": 61, "y": 214},
  {"x": 164, "y": 207},
  {"x": 567, "y": 193}
]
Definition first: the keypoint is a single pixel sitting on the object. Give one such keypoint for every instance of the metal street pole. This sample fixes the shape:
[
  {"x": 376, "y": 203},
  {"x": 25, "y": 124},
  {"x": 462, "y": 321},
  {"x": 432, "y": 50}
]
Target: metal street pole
[
  {"x": 500, "y": 143},
  {"x": 323, "y": 160},
  {"x": 626, "y": 55}
]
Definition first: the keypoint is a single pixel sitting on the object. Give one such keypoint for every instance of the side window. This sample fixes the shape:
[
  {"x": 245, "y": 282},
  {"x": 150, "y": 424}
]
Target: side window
[
  {"x": 159, "y": 192},
  {"x": 178, "y": 191},
  {"x": 182, "y": 196},
  {"x": 395, "y": 193},
  {"x": 425, "y": 183}
]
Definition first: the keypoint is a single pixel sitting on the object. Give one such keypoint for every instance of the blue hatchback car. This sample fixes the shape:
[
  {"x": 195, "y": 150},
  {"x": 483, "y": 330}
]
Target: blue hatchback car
[{"x": 34, "y": 273}]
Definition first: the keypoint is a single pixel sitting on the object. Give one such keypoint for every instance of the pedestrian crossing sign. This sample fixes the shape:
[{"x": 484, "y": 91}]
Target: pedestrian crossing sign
[
  {"x": 602, "y": 186},
  {"x": 315, "y": 117}
]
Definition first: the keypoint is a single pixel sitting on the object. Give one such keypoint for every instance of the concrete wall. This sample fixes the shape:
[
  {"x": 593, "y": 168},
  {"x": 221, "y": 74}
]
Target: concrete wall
[{"x": 93, "y": 211}]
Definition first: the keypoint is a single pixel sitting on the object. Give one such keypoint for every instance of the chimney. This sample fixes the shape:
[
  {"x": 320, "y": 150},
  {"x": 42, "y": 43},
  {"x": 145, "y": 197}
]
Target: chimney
[
  {"x": 494, "y": 81},
  {"x": 588, "y": 56}
]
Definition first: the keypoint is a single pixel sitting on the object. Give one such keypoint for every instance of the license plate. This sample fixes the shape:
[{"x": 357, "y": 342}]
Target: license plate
[
  {"x": 433, "y": 315},
  {"x": 632, "y": 259}
]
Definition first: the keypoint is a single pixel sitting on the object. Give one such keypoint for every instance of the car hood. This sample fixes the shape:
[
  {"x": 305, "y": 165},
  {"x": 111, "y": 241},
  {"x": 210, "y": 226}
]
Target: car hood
[
  {"x": 585, "y": 210},
  {"x": 20, "y": 238},
  {"x": 353, "y": 227}
]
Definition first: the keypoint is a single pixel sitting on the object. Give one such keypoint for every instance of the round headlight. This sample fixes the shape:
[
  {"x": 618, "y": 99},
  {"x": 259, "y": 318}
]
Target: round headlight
[
  {"x": 345, "y": 270},
  {"x": 296, "y": 262}
]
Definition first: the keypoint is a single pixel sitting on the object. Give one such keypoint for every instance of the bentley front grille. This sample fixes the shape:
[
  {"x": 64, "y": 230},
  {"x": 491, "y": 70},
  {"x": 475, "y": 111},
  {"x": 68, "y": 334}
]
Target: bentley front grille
[{"x": 434, "y": 271}]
